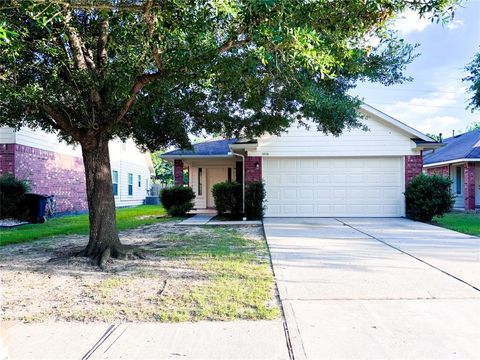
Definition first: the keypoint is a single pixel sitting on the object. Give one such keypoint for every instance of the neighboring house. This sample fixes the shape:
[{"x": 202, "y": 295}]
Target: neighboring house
[
  {"x": 309, "y": 174},
  {"x": 53, "y": 167},
  {"x": 459, "y": 159}
]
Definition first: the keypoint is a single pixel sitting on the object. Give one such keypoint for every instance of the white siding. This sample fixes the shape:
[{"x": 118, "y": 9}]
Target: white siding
[
  {"x": 382, "y": 139},
  {"x": 139, "y": 193},
  {"x": 126, "y": 158},
  {"x": 46, "y": 141},
  {"x": 7, "y": 135}
]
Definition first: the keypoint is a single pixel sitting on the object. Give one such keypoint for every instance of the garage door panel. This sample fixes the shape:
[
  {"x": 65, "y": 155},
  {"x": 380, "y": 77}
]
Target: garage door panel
[{"x": 334, "y": 187}]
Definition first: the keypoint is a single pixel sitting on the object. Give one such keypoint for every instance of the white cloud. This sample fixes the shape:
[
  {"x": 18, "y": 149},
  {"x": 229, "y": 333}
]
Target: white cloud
[
  {"x": 429, "y": 113},
  {"x": 409, "y": 22},
  {"x": 454, "y": 24},
  {"x": 440, "y": 124}
]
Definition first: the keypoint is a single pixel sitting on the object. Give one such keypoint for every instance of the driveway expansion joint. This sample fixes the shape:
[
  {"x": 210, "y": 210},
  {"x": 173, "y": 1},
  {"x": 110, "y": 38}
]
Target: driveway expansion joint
[{"x": 408, "y": 254}]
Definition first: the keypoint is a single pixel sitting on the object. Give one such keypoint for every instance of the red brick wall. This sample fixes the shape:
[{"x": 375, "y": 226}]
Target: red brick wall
[
  {"x": 252, "y": 173},
  {"x": 413, "y": 167},
  {"x": 439, "y": 170},
  {"x": 7, "y": 159},
  {"x": 469, "y": 183},
  {"x": 178, "y": 172},
  {"x": 52, "y": 174}
]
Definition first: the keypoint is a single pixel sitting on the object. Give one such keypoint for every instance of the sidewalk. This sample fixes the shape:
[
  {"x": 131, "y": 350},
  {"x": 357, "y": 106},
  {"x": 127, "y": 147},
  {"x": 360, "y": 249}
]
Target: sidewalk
[{"x": 202, "y": 340}]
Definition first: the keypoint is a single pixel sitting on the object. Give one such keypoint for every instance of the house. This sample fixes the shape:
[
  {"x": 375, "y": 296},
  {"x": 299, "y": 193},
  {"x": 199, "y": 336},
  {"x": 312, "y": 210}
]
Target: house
[
  {"x": 459, "y": 159},
  {"x": 310, "y": 174},
  {"x": 55, "y": 168}
]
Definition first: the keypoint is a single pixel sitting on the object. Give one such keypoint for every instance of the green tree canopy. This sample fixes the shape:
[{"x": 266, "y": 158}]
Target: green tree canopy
[
  {"x": 158, "y": 71},
  {"x": 473, "y": 77}
]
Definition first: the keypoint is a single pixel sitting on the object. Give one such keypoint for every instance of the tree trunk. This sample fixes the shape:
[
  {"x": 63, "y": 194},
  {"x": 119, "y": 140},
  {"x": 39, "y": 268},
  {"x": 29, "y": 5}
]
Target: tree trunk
[{"x": 104, "y": 241}]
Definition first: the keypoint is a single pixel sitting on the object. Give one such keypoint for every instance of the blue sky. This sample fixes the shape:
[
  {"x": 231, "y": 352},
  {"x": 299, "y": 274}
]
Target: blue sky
[{"x": 435, "y": 101}]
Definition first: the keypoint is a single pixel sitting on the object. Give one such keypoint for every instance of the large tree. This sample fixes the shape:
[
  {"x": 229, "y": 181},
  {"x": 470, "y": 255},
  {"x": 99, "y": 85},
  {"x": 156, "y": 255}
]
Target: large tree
[
  {"x": 473, "y": 77},
  {"x": 157, "y": 70}
]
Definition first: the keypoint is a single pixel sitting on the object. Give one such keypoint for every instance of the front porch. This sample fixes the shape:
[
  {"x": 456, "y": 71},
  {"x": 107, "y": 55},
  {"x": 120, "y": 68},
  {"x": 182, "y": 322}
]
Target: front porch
[
  {"x": 466, "y": 182},
  {"x": 211, "y": 163}
]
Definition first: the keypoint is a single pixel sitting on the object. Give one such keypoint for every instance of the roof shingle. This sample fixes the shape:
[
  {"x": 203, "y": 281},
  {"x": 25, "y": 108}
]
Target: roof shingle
[
  {"x": 208, "y": 148},
  {"x": 464, "y": 146}
]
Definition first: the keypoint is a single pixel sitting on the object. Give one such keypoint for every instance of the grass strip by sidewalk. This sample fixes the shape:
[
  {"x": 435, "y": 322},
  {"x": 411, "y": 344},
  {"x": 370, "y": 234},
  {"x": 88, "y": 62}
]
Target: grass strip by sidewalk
[
  {"x": 461, "y": 222},
  {"x": 127, "y": 218}
]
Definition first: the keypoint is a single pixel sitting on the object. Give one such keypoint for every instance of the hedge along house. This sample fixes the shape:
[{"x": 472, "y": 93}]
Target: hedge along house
[
  {"x": 309, "y": 174},
  {"x": 54, "y": 168},
  {"x": 459, "y": 159}
]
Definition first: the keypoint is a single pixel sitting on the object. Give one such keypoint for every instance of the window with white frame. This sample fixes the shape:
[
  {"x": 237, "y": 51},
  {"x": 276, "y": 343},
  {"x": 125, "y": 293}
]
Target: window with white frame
[
  {"x": 200, "y": 182},
  {"x": 458, "y": 180},
  {"x": 130, "y": 184},
  {"x": 115, "y": 182},
  {"x": 139, "y": 180}
]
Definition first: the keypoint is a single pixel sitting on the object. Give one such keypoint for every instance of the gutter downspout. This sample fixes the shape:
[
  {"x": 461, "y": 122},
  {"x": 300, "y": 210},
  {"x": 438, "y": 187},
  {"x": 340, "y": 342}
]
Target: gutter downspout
[{"x": 243, "y": 182}]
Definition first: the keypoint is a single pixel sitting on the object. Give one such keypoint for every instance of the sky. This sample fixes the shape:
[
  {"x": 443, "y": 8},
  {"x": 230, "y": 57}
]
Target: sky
[{"x": 436, "y": 100}]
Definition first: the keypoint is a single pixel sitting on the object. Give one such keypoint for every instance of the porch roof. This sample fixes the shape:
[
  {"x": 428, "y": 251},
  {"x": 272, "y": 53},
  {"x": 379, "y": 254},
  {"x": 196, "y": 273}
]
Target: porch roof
[
  {"x": 463, "y": 147},
  {"x": 214, "y": 148}
]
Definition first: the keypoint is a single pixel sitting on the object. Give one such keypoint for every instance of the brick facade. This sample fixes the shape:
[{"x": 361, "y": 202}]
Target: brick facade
[
  {"x": 178, "y": 172},
  {"x": 7, "y": 159},
  {"x": 439, "y": 170},
  {"x": 48, "y": 173},
  {"x": 253, "y": 169},
  {"x": 469, "y": 185},
  {"x": 413, "y": 167}
]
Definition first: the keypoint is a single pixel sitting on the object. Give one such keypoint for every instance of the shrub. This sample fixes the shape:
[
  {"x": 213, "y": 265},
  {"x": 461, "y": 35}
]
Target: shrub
[
  {"x": 428, "y": 196},
  {"x": 255, "y": 200},
  {"x": 177, "y": 200},
  {"x": 228, "y": 197},
  {"x": 12, "y": 197}
]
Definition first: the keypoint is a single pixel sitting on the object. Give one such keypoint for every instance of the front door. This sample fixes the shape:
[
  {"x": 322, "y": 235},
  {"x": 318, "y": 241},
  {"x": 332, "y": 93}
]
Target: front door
[
  {"x": 457, "y": 176},
  {"x": 214, "y": 176},
  {"x": 477, "y": 185}
]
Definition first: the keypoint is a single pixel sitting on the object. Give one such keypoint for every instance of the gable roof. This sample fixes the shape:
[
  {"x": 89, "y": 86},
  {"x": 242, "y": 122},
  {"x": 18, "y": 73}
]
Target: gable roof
[
  {"x": 221, "y": 148},
  {"x": 464, "y": 146},
  {"x": 208, "y": 148},
  {"x": 398, "y": 124}
]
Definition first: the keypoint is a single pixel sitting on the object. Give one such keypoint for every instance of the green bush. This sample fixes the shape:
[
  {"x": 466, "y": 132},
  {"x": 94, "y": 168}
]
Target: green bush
[
  {"x": 228, "y": 197},
  {"x": 177, "y": 200},
  {"x": 12, "y": 197},
  {"x": 428, "y": 196},
  {"x": 255, "y": 200}
]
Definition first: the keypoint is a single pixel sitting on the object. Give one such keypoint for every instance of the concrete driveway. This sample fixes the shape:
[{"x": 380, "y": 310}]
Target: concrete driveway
[{"x": 377, "y": 288}]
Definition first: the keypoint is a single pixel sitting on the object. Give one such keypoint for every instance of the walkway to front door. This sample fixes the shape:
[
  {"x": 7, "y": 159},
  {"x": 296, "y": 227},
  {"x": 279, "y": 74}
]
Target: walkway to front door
[{"x": 376, "y": 288}]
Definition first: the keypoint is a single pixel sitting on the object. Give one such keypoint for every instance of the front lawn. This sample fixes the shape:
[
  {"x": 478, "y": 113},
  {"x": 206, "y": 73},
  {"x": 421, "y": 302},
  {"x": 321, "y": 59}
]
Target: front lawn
[
  {"x": 188, "y": 274},
  {"x": 461, "y": 222},
  {"x": 127, "y": 218}
]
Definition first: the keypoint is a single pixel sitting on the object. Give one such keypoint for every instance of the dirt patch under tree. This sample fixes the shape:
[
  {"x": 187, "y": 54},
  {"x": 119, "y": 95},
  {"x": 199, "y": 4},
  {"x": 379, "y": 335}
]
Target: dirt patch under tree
[{"x": 189, "y": 273}]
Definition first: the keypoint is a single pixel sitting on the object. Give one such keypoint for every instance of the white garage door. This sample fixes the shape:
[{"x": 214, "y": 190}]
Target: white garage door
[{"x": 299, "y": 187}]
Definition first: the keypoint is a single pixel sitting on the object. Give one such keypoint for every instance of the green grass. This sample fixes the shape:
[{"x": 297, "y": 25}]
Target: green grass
[
  {"x": 238, "y": 281},
  {"x": 461, "y": 222},
  {"x": 127, "y": 218}
]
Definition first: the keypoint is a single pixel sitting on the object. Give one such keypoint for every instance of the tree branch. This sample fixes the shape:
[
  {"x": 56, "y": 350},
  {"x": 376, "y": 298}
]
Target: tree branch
[
  {"x": 75, "y": 44},
  {"x": 232, "y": 43},
  {"x": 102, "y": 54},
  {"x": 150, "y": 21},
  {"x": 136, "y": 88},
  {"x": 60, "y": 120}
]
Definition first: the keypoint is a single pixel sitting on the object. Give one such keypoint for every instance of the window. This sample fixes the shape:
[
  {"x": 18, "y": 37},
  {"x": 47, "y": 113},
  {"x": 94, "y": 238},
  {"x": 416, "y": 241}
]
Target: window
[
  {"x": 200, "y": 181},
  {"x": 139, "y": 180},
  {"x": 130, "y": 184},
  {"x": 458, "y": 180},
  {"x": 115, "y": 182},
  {"x": 229, "y": 174}
]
